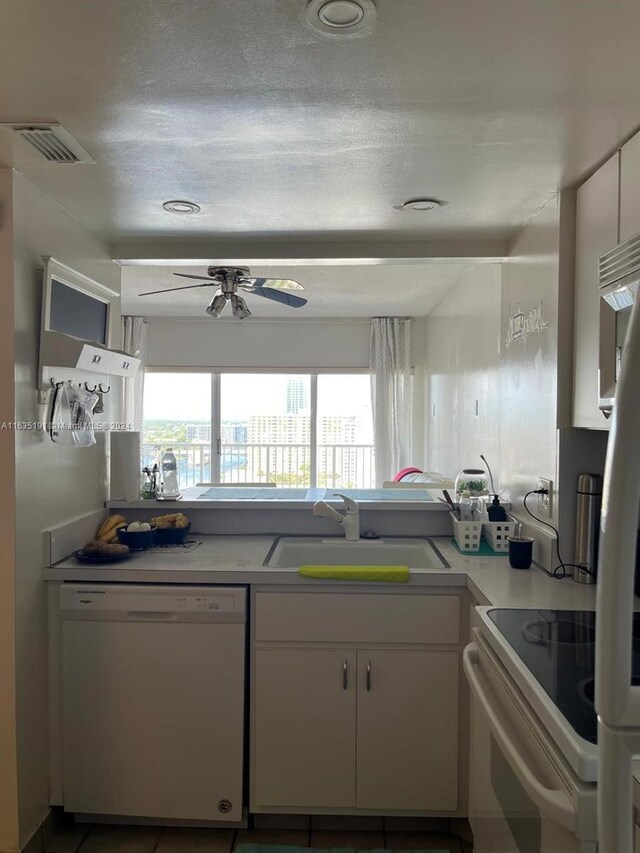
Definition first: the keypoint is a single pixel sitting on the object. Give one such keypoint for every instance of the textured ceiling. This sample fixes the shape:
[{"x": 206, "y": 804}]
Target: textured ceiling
[
  {"x": 332, "y": 291},
  {"x": 276, "y": 129}
]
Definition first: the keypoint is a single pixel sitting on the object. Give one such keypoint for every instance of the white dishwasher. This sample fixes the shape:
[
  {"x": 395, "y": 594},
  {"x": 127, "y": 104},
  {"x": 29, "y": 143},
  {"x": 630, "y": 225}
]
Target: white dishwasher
[{"x": 153, "y": 681}]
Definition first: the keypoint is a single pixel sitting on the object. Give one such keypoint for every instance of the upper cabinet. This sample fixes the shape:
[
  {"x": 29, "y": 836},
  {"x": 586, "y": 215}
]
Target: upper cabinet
[
  {"x": 596, "y": 233},
  {"x": 630, "y": 189}
]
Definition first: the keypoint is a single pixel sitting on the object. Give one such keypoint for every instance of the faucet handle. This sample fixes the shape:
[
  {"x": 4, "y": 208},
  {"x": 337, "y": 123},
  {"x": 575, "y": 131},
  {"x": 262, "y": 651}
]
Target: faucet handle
[{"x": 350, "y": 506}]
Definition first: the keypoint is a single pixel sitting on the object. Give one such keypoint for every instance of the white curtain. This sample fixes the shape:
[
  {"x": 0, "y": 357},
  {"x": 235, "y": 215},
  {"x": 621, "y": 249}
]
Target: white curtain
[
  {"x": 134, "y": 342},
  {"x": 391, "y": 394}
]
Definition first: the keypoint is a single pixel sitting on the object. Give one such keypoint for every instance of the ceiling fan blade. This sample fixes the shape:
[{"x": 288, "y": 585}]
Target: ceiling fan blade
[
  {"x": 277, "y": 296},
  {"x": 171, "y": 289},
  {"x": 273, "y": 283},
  {"x": 198, "y": 277}
]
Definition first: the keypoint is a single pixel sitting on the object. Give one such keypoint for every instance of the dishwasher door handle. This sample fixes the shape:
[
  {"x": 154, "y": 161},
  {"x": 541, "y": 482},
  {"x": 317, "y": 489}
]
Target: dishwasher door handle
[{"x": 152, "y": 615}]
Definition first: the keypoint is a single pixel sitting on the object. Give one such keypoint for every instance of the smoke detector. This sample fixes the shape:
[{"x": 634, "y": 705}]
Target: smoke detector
[
  {"x": 51, "y": 141},
  {"x": 341, "y": 17},
  {"x": 182, "y": 207},
  {"x": 422, "y": 204}
]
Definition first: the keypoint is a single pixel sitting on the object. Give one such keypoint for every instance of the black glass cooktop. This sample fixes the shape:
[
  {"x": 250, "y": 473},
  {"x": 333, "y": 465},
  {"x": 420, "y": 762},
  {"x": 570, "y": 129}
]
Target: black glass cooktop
[{"x": 558, "y": 647}]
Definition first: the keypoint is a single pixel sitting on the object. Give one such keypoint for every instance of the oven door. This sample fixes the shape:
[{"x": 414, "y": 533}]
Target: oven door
[{"x": 521, "y": 798}]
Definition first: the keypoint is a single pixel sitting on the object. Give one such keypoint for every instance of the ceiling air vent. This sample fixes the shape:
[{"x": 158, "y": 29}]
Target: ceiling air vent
[{"x": 52, "y": 142}]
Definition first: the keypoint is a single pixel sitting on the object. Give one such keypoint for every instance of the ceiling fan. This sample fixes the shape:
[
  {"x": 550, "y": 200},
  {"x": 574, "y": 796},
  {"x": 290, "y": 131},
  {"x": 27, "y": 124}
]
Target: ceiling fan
[{"x": 229, "y": 279}]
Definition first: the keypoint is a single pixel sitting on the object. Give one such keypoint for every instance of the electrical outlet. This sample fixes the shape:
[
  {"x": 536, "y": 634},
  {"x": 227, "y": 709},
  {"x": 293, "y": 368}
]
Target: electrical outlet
[{"x": 545, "y": 502}]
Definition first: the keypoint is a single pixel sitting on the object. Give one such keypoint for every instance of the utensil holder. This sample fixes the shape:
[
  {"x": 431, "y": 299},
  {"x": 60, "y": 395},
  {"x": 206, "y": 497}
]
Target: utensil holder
[
  {"x": 466, "y": 533},
  {"x": 497, "y": 532}
]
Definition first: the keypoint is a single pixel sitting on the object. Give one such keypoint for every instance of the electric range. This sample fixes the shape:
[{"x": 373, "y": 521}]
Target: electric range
[{"x": 550, "y": 654}]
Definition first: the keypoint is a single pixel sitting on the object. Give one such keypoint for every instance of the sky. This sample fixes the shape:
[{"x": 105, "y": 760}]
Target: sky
[{"x": 187, "y": 396}]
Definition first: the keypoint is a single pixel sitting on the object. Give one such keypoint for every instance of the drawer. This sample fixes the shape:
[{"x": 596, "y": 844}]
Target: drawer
[{"x": 356, "y": 618}]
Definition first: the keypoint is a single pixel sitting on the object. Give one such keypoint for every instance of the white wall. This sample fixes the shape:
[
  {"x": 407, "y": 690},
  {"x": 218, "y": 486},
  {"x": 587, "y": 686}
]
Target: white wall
[
  {"x": 529, "y": 365},
  {"x": 461, "y": 354},
  {"x": 255, "y": 343},
  {"x": 53, "y": 483},
  {"x": 8, "y": 760}
]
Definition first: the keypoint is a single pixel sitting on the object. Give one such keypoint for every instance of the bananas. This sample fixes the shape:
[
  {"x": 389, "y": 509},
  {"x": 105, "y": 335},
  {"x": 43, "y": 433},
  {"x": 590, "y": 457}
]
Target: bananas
[{"x": 108, "y": 531}]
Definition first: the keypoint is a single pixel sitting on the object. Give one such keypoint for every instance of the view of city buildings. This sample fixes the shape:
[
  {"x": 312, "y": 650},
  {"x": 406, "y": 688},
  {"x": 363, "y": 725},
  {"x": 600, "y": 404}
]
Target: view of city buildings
[{"x": 270, "y": 447}]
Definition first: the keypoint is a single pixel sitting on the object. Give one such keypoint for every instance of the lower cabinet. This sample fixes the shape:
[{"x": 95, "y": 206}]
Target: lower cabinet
[
  {"x": 355, "y": 726},
  {"x": 407, "y": 730},
  {"x": 304, "y": 733}
]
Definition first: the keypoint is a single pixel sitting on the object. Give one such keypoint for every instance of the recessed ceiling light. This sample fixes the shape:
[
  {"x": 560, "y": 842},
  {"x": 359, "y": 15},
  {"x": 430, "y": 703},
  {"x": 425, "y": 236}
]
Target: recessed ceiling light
[
  {"x": 422, "y": 204},
  {"x": 184, "y": 207},
  {"x": 341, "y": 17}
]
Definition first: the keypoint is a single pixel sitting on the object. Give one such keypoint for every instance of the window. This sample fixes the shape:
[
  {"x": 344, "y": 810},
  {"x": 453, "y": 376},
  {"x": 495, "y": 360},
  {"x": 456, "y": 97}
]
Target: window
[
  {"x": 177, "y": 413},
  {"x": 265, "y": 429},
  {"x": 294, "y": 430}
]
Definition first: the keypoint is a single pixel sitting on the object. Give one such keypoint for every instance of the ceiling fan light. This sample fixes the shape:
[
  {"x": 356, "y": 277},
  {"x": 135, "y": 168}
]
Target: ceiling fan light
[
  {"x": 239, "y": 307},
  {"x": 216, "y": 306}
]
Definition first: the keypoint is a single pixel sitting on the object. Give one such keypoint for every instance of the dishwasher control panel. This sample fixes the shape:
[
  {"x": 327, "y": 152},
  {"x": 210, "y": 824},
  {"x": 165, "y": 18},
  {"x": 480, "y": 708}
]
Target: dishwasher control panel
[{"x": 152, "y": 603}]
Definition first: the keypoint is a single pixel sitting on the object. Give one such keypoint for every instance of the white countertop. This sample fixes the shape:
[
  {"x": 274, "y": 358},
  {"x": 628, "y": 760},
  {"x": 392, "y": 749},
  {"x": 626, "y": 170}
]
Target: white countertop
[
  {"x": 266, "y": 498},
  {"x": 239, "y": 559}
]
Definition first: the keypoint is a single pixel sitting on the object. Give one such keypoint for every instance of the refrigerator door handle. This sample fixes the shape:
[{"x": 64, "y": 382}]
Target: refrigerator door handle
[
  {"x": 616, "y": 701},
  {"x": 555, "y": 803}
]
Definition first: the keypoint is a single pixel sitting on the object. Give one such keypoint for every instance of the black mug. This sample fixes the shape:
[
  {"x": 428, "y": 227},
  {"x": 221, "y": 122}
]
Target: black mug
[{"x": 520, "y": 552}]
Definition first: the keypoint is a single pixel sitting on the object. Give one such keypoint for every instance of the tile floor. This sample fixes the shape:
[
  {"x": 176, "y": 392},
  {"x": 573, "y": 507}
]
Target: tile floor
[{"x": 81, "y": 838}]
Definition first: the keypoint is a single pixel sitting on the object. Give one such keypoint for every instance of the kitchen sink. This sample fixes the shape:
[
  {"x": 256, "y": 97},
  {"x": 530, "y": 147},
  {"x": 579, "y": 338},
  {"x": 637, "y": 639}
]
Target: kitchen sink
[{"x": 294, "y": 551}]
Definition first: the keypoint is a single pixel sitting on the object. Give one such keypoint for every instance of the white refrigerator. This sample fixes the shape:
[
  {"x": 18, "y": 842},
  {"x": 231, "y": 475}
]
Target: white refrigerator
[{"x": 617, "y": 700}]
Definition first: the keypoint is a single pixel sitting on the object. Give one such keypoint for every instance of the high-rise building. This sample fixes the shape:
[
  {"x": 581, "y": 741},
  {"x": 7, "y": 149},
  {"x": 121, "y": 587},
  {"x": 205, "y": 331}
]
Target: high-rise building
[
  {"x": 234, "y": 432},
  {"x": 198, "y": 432},
  {"x": 278, "y": 429},
  {"x": 297, "y": 396}
]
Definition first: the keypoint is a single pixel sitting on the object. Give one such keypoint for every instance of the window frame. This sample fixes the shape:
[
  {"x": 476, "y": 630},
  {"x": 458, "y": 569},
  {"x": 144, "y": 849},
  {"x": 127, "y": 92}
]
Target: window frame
[{"x": 216, "y": 404}]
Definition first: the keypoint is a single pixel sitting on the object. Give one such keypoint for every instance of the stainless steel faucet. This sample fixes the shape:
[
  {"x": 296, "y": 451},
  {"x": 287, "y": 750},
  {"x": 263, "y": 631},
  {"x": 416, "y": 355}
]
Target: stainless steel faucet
[{"x": 349, "y": 519}]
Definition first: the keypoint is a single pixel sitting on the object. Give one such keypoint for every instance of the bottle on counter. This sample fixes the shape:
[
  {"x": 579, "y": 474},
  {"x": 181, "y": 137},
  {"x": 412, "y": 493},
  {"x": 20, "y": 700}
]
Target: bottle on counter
[
  {"x": 466, "y": 506},
  {"x": 169, "y": 468},
  {"x": 496, "y": 511}
]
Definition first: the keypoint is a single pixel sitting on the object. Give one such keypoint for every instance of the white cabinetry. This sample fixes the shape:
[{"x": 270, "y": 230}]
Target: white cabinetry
[
  {"x": 305, "y": 728},
  {"x": 596, "y": 233},
  {"x": 355, "y": 702},
  {"x": 407, "y": 730},
  {"x": 630, "y": 189}
]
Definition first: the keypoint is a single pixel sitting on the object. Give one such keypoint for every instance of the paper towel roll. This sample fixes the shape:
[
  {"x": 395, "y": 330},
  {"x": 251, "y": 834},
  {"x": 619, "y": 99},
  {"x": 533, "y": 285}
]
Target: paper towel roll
[{"x": 125, "y": 466}]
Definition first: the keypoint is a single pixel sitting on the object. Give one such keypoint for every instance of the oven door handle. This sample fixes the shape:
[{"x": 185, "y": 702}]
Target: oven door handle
[{"x": 555, "y": 803}]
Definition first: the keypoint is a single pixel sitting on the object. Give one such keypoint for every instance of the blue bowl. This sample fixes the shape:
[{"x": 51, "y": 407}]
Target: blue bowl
[
  {"x": 172, "y": 535},
  {"x": 137, "y": 540}
]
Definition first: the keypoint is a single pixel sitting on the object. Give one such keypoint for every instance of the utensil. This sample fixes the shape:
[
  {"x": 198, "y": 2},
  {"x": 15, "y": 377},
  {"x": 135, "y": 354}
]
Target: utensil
[{"x": 455, "y": 509}]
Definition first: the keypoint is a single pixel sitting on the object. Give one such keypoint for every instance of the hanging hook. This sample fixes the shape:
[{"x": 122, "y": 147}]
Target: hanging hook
[
  {"x": 104, "y": 390},
  {"x": 90, "y": 390},
  {"x": 52, "y": 381}
]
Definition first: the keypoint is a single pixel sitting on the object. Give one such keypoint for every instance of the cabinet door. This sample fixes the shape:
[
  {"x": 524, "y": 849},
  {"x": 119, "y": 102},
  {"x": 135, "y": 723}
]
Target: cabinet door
[
  {"x": 596, "y": 233},
  {"x": 304, "y": 728},
  {"x": 407, "y": 730},
  {"x": 630, "y": 189}
]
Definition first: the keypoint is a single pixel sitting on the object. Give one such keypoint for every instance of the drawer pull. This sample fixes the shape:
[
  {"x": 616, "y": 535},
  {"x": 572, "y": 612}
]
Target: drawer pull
[
  {"x": 368, "y": 668},
  {"x": 345, "y": 674}
]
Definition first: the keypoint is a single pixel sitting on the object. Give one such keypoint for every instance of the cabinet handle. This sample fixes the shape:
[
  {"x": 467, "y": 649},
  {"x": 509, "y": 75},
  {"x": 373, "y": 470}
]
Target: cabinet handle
[
  {"x": 345, "y": 674},
  {"x": 368, "y": 668}
]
